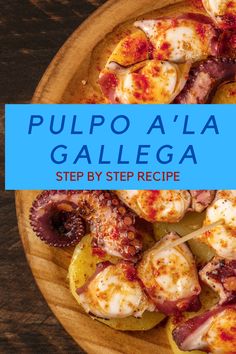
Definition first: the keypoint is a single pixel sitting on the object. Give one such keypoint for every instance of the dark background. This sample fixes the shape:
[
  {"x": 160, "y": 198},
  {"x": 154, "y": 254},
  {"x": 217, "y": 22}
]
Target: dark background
[{"x": 31, "y": 32}]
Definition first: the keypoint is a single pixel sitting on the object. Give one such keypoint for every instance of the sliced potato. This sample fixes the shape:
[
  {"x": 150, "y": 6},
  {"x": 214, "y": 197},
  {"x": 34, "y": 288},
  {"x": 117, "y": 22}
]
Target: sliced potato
[
  {"x": 208, "y": 299},
  {"x": 191, "y": 222},
  {"x": 148, "y": 321},
  {"x": 203, "y": 254},
  {"x": 226, "y": 94},
  {"x": 82, "y": 266}
]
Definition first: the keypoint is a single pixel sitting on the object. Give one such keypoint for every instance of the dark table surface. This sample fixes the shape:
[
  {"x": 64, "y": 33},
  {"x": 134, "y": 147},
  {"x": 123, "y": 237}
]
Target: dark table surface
[{"x": 31, "y": 32}]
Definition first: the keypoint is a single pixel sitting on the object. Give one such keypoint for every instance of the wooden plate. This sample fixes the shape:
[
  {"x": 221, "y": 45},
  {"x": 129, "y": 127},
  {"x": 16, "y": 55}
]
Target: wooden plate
[{"x": 49, "y": 265}]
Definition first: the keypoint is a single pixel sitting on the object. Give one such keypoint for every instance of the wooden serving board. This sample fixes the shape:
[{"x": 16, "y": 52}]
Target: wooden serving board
[{"x": 50, "y": 265}]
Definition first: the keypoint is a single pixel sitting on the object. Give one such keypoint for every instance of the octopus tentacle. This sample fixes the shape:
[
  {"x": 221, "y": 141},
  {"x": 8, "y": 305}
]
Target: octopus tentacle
[
  {"x": 212, "y": 331},
  {"x": 157, "y": 205},
  {"x": 201, "y": 199},
  {"x": 54, "y": 219},
  {"x": 204, "y": 77},
  {"x": 165, "y": 34},
  {"x": 220, "y": 275},
  {"x": 227, "y": 44},
  {"x": 111, "y": 222},
  {"x": 222, "y": 12},
  {"x": 111, "y": 300},
  {"x": 222, "y": 237},
  {"x": 170, "y": 277}
]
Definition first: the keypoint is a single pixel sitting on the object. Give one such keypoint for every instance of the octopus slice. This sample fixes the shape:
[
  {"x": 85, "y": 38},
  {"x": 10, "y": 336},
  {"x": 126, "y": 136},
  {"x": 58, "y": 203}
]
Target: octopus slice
[
  {"x": 220, "y": 275},
  {"x": 204, "y": 78},
  {"x": 213, "y": 331},
  {"x": 151, "y": 81},
  {"x": 223, "y": 12},
  {"x": 111, "y": 222},
  {"x": 114, "y": 291},
  {"x": 132, "y": 49},
  {"x": 179, "y": 39},
  {"x": 227, "y": 44},
  {"x": 157, "y": 205},
  {"x": 170, "y": 277},
  {"x": 222, "y": 238},
  {"x": 201, "y": 199}
]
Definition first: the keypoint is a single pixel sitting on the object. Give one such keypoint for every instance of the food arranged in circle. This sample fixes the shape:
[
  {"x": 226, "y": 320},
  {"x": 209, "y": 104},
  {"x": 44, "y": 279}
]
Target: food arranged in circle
[
  {"x": 145, "y": 256},
  {"x": 157, "y": 256}
]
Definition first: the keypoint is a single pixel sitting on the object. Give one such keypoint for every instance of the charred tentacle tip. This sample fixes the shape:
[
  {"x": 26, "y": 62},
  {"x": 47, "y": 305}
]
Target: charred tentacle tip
[{"x": 55, "y": 220}]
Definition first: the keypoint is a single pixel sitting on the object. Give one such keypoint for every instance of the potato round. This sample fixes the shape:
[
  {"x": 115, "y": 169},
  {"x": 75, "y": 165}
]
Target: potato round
[{"x": 226, "y": 94}]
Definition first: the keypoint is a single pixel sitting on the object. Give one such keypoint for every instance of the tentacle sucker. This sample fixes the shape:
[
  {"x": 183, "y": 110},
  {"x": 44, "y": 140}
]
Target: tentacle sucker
[
  {"x": 111, "y": 222},
  {"x": 55, "y": 220}
]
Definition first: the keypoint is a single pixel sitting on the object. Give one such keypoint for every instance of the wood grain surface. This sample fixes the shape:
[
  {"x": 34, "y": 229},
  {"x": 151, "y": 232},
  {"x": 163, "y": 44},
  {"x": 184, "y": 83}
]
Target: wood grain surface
[{"x": 31, "y": 32}]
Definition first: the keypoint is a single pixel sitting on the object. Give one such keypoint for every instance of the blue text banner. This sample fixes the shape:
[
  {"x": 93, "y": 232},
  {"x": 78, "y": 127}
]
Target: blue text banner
[{"x": 120, "y": 146}]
